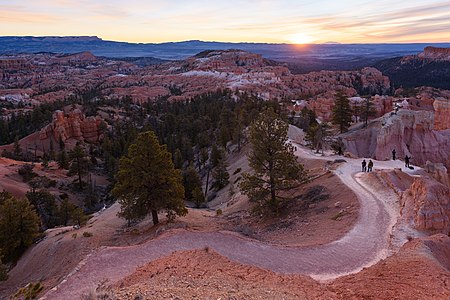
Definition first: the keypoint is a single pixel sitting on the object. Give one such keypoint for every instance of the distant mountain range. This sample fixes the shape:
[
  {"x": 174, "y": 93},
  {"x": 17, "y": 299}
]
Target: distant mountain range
[{"x": 180, "y": 50}]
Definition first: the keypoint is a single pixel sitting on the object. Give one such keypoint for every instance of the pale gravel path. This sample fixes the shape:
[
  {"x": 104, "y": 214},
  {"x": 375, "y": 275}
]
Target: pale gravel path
[{"x": 362, "y": 246}]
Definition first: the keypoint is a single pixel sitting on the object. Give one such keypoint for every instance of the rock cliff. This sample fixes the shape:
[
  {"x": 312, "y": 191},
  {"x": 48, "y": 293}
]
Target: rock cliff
[
  {"x": 426, "y": 205},
  {"x": 438, "y": 171},
  {"x": 408, "y": 132},
  {"x": 441, "y": 113},
  {"x": 435, "y": 53}
]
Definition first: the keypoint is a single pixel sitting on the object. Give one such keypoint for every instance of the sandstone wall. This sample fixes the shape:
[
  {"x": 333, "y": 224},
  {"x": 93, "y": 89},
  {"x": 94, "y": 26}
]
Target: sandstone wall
[
  {"x": 441, "y": 114},
  {"x": 426, "y": 205},
  {"x": 409, "y": 133}
]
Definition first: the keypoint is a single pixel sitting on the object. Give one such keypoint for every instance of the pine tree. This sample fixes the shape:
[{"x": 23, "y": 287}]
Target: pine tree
[
  {"x": 62, "y": 160},
  {"x": 367, "y": 110},
  {"x": 147, "y": 181},
  {"x": 197, "y": 196},
  {"x": 17, "y": 150},
  {"x": 317, "y": 134},
  {"x": 216, "y": 155},
  {"x": 19, "y": 226},
  {"x": 78, "y": 164},
  {"x": 65, "y": 211},
  {"x": 220, "y": 175},
  {"x": 191, "y": 181},
  {"x": 78, "y": 217},
  {"x": 342, "y": 112},
  {"x": 177, "y": 159},
  {"x": 273, "y": 161}
]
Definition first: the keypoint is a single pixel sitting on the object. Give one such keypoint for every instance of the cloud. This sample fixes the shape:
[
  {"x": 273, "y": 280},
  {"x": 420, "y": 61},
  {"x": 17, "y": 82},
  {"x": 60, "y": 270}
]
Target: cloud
[
  {"x": 234, "y": 20},
  {"x": 18, "y": 14}
]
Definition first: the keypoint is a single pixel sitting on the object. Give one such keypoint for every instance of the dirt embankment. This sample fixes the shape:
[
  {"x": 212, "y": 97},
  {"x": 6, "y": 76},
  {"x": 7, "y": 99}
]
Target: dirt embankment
[{"x": 421, "y": 270}]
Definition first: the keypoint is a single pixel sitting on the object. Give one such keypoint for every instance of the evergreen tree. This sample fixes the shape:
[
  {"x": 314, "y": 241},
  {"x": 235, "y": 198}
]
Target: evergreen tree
[
  {"x": 78, "y": 164},
  {"x": 78, "y": 217},
  {"x": 216, "y": 155},
  {"x": 65, "y": 211},
  {"x": 191, "y": 181},
  {"x": 46, "y": 207},
  {"x": 317, "y": 134},
  {"x": 17, "y": 150},
  {"x": 342, "y": 112},
  {"x": 147, "y": 181},
  {"x": 367, "y": 111},
  {"x": 45, "y": 159},
  {"x": 204, "y": 156},
  {"x": 272, "y": 158},
  {"x": 220, "y": 175},
  {"x": 19, "y": 226},
  {"x": 62, "y": 160},
  {"x": 197, "y": 196},
  {"x": 177, "y": 159}
]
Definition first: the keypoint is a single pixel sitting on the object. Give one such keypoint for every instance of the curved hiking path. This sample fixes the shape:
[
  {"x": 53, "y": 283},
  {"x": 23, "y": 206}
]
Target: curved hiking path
[{"x": 362, "y": 246}]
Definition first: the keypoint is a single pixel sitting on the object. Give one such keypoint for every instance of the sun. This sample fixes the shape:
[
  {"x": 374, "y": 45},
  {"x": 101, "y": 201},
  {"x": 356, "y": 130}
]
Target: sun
[{"x": 300, "y": 38}]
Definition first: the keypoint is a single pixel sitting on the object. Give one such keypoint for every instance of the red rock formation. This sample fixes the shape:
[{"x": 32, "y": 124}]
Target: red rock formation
[
  {"x": 426, "y": 204},
  {"x": 441, "y": 113},
  {"x": 74, "y": 125},
  {"x": 434, "y": 53},
  {"x": 438, "y": 171}
]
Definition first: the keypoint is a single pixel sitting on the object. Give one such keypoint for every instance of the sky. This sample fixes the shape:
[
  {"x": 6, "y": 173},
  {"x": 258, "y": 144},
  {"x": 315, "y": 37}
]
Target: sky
[{"x": 277, "y": 21}]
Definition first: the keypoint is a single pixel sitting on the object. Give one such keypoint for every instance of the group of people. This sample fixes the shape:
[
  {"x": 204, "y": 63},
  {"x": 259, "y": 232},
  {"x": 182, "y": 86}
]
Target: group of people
[
  {"x": 367, "y": 167},
  {"x": 407, "y": 159}
]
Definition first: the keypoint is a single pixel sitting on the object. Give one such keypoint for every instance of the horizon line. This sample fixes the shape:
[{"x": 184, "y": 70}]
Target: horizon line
[{"x": 227, "y": 42}]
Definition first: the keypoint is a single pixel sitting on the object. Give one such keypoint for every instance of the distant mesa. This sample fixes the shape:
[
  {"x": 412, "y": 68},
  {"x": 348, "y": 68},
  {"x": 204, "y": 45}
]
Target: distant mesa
[
  {"x": 435, "y": 53},
  {"x": 68, "y": 38}
]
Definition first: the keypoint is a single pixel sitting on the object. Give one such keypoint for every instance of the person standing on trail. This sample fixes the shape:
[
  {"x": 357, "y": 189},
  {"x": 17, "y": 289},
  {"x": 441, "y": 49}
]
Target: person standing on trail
[
  {"x": 393, "y": 154},
  {"x": 407, "y": 161},
  {"x": 370, "y": 166},
  {"x": 363, "y": 165}
]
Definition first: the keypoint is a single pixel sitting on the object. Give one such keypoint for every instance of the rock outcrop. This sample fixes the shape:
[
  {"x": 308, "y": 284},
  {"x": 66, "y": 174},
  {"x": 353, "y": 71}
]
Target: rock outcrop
[
  {"x": 441, "y": 113},
  {"x": 438, "y": 171},
  {"x": 426, "y": 205},
  {"x": 408, "y": 132},
  {"x": 435, "y": 53},
  {"x": 73, "y": 125}
]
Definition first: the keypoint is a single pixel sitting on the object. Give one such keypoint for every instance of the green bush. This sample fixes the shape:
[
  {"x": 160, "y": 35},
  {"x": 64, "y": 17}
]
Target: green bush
[{"x": 30, "y": 291}]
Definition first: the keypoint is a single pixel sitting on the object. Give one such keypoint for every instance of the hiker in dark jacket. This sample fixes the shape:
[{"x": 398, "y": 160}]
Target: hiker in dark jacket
[
  {"x": 370, "y": 166},
  {"x": 363, "y": 165},
  {"x": 393, "y": 154},
  {"x": 407, "y": 161}
]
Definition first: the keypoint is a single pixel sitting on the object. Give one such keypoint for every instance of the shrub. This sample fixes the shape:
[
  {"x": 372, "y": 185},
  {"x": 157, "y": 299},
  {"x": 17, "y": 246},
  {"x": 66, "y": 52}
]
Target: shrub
[
  {"x": 237, "y": 171},
  {"x": 219, "y": 212},
  {"x": 30, "y": 291},
  {"x": 87, "y": 234},
  {"x": 26, "y": 171}
]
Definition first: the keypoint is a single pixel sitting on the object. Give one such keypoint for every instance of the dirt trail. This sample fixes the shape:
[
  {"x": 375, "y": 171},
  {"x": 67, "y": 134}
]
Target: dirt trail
[{"x": 363, "y": 246}]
